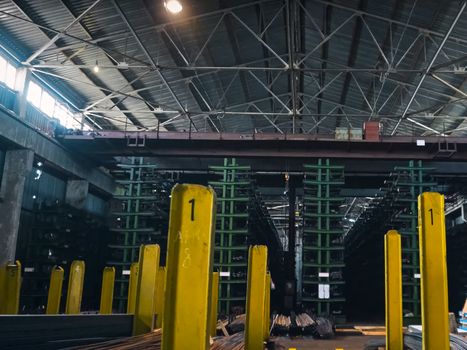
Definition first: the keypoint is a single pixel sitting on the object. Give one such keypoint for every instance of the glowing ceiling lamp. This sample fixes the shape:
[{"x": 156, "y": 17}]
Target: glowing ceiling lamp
[
  {"x": 96, "y": 68},
  {"x": 173, "y": 6}
]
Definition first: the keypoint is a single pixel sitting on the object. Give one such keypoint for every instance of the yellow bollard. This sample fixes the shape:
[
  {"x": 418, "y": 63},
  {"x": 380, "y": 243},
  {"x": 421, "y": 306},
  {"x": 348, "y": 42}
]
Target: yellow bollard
[
  {"x": 75, "y": 287},
  {"x": 2, "y": 287},
  {"x": 214, "y": 301},
  {"x": 11, "y": 287},
  {"x": 107, "y": 291},
  {"x": 131, "y": 300},
  {"x": 143, "y": 321},
  {"x": 267, "y": 307},
  {"x": 189, "y": 264},
  {"x": 256, "y": 297},
  {"x": 55, "y": 291},
  {"x": 393, "y": 288},
  {"x": 159, "y": 298},
  {"x": 433, "y": 271}
]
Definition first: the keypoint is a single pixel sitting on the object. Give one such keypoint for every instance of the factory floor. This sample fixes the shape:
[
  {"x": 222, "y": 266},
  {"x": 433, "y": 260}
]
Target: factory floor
[{"x": 340, "y": 342}]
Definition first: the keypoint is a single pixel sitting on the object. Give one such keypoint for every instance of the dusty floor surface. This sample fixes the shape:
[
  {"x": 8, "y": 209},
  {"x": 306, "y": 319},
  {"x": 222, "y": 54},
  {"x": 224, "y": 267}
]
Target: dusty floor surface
[{"x": 344, "y": 342}]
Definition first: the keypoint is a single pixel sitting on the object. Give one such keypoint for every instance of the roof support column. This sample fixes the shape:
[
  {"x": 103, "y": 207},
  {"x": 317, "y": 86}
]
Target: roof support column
[
  {"x": 22, "y": 78},
  {"x": 18, "y": 164}
]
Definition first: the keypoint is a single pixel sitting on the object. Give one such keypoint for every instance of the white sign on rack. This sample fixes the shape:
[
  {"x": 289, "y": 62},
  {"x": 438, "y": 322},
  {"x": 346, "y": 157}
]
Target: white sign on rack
[{"x": 323, "y": 291}]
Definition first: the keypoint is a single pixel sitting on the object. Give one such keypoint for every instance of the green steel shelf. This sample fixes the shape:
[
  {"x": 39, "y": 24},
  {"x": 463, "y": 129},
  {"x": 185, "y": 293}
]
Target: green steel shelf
[
  {"x": 322, "y": 257},
  {"x": 396, "y": 208},
  {"x": 232, "y": 234},
  {"x": 411, "y": 181},
  {"x": 140, "y": 195}
]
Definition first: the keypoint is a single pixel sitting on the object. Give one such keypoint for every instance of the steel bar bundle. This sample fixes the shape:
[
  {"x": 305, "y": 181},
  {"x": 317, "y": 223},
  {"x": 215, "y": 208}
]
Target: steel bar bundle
[
  {"x": 153, "y": 341},
  {"x": 413, "y": 341},
  {"x": 304, "y": 320},
  {"x": 145, "y": 341},
  {"x": 233, "y": 342}
]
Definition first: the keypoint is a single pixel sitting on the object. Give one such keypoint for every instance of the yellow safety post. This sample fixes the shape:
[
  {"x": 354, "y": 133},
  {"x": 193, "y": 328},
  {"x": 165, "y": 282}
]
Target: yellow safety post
[
  {"x": 11, "y": 287},
  {"x": 107, "y": 290},
  {"x": 393, "y": 288},
  {"x": 159, "y": 298},
  {"x": 143, "y": 321},
  {"x": 2, "y": 287},
  {"x": 55, "y": 290},
  {"x": 214, "y": 301},
  {"x": 186, "y": 322},
  {"x": 75, "y": 287},
  {"x": 433, "y": 271},
  {"x": 267, "y": 307},
  {"x": 256, "y": 297},
  {"x": 133, "y": 280}
]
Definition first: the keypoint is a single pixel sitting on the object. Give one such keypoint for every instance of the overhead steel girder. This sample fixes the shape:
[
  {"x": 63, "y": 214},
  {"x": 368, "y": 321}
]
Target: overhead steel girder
[
  {"x": 115, "y": 143},
  {"x": 389, "y": 20},
  {"x": 430, "y": 64},
  {"x": 59, "y": 35},
  {"x": 153, "y": 63}
]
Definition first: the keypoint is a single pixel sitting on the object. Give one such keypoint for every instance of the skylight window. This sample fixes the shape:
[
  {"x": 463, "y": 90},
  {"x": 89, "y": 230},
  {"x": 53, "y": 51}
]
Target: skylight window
[
  {"x": 47, "y": 104},
  {"x": 34, "y": 94},
  {"x": 3, "y": 64},
  {"x": 10, "y": 78},
  {"x": 65, "y": 117}
]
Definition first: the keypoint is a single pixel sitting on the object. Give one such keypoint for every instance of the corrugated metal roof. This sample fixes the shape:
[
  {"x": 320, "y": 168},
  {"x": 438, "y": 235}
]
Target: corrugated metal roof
[{"x": 219, "y": 33}]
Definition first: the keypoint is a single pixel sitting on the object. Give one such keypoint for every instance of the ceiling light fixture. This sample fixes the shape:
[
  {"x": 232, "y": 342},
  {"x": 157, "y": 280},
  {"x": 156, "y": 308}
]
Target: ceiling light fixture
[
  {"x": 96, "y": 68},
  {"x": 173, "y": 6}
]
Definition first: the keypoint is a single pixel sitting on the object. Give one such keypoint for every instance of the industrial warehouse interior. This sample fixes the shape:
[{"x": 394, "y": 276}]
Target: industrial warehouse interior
[{"x": 229, "y": 175}]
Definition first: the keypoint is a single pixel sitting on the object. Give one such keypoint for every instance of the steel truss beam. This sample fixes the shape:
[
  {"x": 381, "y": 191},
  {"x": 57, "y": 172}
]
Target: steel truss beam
[
  {"x": 153, "y": 63},
  {"x": 291, "y": 67},
  {"x": 60, "y": 34},
  {"x": 454, "y": 39},
  {"x": 128, "y": 84},
  {"x": 430, "y": 64}
]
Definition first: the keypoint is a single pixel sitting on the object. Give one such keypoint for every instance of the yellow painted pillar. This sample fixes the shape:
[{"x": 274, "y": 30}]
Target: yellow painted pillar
[
  {"x": 2, "y": 287},
  {"x": 256, "y": 297},
  {"x": 133, "y": 280},
  {"x": 393, "y": 288},
  {"x": 267, "y": 307},
  {"x": 11, "y": 288},
  {"x": 107, "y": 290},
  {"x": 186, "y": 322},
  {"x": 159, "y": 298},
  {"x": 433, "y": 271},
  {"x": 75, "y": 287},
  {"x": 55, "y": 291},
  {"x": 143, "y": 321},
  {"x": 214, "y": 301}
]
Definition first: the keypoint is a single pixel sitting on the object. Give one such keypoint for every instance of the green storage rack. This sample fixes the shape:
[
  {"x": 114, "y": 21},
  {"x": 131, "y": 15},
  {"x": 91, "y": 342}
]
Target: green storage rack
[
  {"x": 322, "y": 262},
  {"x": 410, "y": 181},
  {"x": 232, "y": 235},
  {"x": 396, "y": 208},
  {"x": 136, "y": 219}
]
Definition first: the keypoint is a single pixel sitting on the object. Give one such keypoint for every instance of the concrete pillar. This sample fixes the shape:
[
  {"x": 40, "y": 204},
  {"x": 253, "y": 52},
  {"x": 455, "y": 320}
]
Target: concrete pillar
[
  {"x": 18, "y": 163},
  {"x": 76, "y": 193},
  {"x": 22, "y": 79}
]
